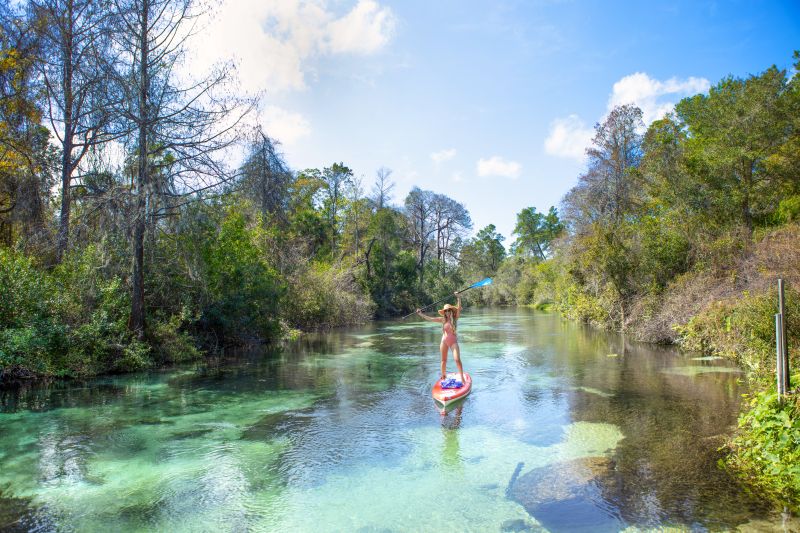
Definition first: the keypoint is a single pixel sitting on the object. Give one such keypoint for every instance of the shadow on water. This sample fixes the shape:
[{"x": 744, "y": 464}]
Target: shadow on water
[
  {"x": 675, "y": 413},
  {"x": 280, "y": 439},
  {"x": 568, "y": 496},
  {"x": 18, "y": 515},
  {"x": 451, "y": 447},
  {"x": 451, "y": 415}
]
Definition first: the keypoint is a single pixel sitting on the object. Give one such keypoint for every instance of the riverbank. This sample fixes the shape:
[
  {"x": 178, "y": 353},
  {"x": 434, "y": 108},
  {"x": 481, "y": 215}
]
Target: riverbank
[
  {"x": 73, "y": 319},
  {"x": 724, "y": 307}
]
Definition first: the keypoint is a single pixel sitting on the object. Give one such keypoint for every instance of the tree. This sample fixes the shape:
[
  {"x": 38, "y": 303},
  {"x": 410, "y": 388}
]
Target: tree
[
  {"x": 77, "y": 89},
  {"x": 601, "y": 209},
  {"x": 419, "y": 210},
  {"x": 536, "y": 231},
  {"x": 356, "y": 220},
  {"x": 783, "y": 163},
  {"x": 335, "y": 179},
  {"x": 390, "y": 270},
  {"x": 435, "y": 220},
  {"x": 610, "y": 188},
  {"x": 382, "y": 189},
  {"x": 733, "y": 131},
  {"x": 484, "y": 254},
  {"x": 452, "y": 221},
  {"x": 176, "y": 131},
  {"x": 25, "y": 158},
  {"x": 266, "y": 177}
]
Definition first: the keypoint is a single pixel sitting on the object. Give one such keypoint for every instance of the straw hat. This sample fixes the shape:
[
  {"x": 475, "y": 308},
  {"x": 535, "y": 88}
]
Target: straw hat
[{"x": 448, "y": 306}]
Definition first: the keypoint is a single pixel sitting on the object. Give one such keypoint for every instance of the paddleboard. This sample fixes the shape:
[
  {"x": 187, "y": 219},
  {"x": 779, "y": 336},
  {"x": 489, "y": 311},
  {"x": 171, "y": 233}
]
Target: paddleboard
[{"x": 448, "y": 396}]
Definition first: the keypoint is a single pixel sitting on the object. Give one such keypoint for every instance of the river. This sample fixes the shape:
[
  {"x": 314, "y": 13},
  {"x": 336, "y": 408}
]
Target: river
[{"x": 567, "y": 429}]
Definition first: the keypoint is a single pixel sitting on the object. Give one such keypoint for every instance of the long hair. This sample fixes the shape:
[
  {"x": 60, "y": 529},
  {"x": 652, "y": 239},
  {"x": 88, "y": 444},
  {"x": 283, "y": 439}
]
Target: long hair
[{"x": 450, "y": 315}]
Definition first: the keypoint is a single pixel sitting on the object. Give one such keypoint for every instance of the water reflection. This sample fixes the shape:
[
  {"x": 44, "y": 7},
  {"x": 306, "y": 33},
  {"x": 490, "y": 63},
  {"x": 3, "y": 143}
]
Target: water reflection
[{"x": 566, "y": 428}]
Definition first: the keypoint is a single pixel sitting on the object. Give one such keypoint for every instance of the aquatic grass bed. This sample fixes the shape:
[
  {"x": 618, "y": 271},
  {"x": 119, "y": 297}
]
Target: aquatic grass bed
[
  {"x": 340, "y": 435},
  {"x": 698, "y": 370}
]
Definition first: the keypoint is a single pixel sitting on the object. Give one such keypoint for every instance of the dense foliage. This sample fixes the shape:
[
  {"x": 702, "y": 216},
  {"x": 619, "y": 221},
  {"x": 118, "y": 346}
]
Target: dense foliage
[
  {"x": 767, "y": 449},
  {"x": 677, "y": 233},
  {"x": 126, "y": 241}
]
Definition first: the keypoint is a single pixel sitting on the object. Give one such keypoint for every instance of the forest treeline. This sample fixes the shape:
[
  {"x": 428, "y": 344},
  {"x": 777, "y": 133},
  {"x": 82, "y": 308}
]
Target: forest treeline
[
  {"x": 692, "y": 210},
  {"x": 127, "y": 240},
  {"x": 677, "y": 233}
]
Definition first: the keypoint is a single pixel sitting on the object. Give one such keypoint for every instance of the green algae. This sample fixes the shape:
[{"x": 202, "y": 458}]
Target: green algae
[
  {"x": 343, "y": 435},
  {"x": 594, "y": 391},
  {"x": 419, "y": 492},
  {"x": 698, "y": 370}
]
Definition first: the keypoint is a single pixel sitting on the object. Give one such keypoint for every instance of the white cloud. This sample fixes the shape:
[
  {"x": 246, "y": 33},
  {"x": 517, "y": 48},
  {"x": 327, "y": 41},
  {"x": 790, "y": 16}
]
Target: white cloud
[
  {"x": 443, "y": 155},
  {"x": 568, "y": 138},
  {"x": 457, "y": 177},
  {"x": 274, "y": 43},
  {"x": 364, "y": 30},
  {"x": 285, "y": 126},
  {"x": 497, "y": 166},
  {"x": 654, "y": 97}
]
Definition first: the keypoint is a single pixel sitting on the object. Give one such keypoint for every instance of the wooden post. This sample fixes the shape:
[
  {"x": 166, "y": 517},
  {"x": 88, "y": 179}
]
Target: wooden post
[
  {"x": 779, "y": 358},
  {"x": 784, "y": 348}
]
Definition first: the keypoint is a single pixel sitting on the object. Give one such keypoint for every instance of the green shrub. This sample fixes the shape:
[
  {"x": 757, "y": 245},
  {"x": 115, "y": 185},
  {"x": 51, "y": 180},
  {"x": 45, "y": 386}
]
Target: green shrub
[
  {"x": 171, "y": 342},
  {"x": 24, "y": 290},
  {"x": 134, "y": 356},
  {"x": 439, "y": 282},
  {"x": 242, "y": 289},
  {"x": 664, "y": 250},
  {"x": 526, "y": 291},
  {"x": 541, "y": 283},
  {"x": 323, "y": 297},
  {"x": 788, "y": 209},
  {"x": 766, "y": 451},
  {"x": 28, "y": 334},
  {"x": 503, "y": 290},
  {"x": 578, "y": 304},
  {"x": 70, "y": 321},
  {"x": 743, "y": 329}
]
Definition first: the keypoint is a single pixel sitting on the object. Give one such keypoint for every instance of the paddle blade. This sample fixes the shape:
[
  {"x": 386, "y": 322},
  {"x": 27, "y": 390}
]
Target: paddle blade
[{"x": 482, "y": 283}]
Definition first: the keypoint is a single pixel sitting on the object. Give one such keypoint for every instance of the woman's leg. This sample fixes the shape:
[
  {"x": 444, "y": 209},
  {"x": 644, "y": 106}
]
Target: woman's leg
[
  {"x": 457, "y": 357},
  {"x": 443, "y": 349}
]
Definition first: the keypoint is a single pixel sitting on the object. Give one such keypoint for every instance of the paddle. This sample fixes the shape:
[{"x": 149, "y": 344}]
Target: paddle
[{"x": 481, "y": 283}]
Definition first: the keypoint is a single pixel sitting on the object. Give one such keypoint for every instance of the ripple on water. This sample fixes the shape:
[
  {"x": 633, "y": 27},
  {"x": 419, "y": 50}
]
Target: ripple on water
[
  {"x": 350, "y": 440},
  {"x": 445, "y": 470}
]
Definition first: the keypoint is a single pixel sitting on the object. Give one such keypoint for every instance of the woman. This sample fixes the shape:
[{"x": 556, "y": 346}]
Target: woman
[{"x": 449, "y": 317}]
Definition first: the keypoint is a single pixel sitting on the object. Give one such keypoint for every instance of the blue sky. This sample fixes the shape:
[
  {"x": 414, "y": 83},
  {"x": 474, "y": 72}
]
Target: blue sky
[{"x": 491, "y": 103}]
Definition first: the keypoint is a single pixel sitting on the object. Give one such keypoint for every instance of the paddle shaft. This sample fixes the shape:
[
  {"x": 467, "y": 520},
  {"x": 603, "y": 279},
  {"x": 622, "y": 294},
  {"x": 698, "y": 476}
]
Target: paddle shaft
[{"x": 438, "y": 301}]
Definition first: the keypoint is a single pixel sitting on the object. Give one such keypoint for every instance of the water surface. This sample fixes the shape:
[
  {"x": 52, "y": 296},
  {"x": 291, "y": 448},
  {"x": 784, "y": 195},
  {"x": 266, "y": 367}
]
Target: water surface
[{"x": 567, "y": 429}]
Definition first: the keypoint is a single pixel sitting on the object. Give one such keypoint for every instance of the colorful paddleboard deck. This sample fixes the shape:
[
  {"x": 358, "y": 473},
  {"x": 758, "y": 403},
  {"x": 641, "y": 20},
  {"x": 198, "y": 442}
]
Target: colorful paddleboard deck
[{"x": 448, "y": 396}]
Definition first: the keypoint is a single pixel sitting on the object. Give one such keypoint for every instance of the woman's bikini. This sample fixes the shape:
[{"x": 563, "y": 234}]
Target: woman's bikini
[{"x": 449, "y": 335}]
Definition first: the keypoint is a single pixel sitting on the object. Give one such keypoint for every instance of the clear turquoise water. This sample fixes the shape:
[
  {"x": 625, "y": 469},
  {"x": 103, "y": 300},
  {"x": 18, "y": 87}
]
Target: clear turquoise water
[{"x": 567, "y": 429}]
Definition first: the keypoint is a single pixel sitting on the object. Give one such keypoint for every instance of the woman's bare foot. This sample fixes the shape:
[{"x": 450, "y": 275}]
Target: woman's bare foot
[{"x": 463, "y": 381}]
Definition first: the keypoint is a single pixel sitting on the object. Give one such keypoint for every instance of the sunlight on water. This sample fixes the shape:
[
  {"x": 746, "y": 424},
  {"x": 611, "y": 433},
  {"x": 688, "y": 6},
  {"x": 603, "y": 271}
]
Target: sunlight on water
[
  {"x": 450, "y": 477},
  {"x": 340, "y": 434}
]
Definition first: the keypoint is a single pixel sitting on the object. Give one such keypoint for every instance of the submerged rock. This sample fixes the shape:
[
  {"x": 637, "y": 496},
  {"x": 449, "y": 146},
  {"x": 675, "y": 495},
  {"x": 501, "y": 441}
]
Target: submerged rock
[
  {"x": 19, "y": 514},
  {"x": 567, "y": 496}
]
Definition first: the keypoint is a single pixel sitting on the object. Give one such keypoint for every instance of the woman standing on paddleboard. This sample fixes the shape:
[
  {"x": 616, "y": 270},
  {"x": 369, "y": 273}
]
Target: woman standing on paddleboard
[{"x": 449, "y": 317}]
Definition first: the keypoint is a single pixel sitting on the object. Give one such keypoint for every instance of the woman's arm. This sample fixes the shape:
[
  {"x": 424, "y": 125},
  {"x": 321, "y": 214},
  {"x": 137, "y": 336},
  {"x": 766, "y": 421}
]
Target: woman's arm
[
  {"x": 431, "y": 318},
  {"x": 458, "y": 301}
]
